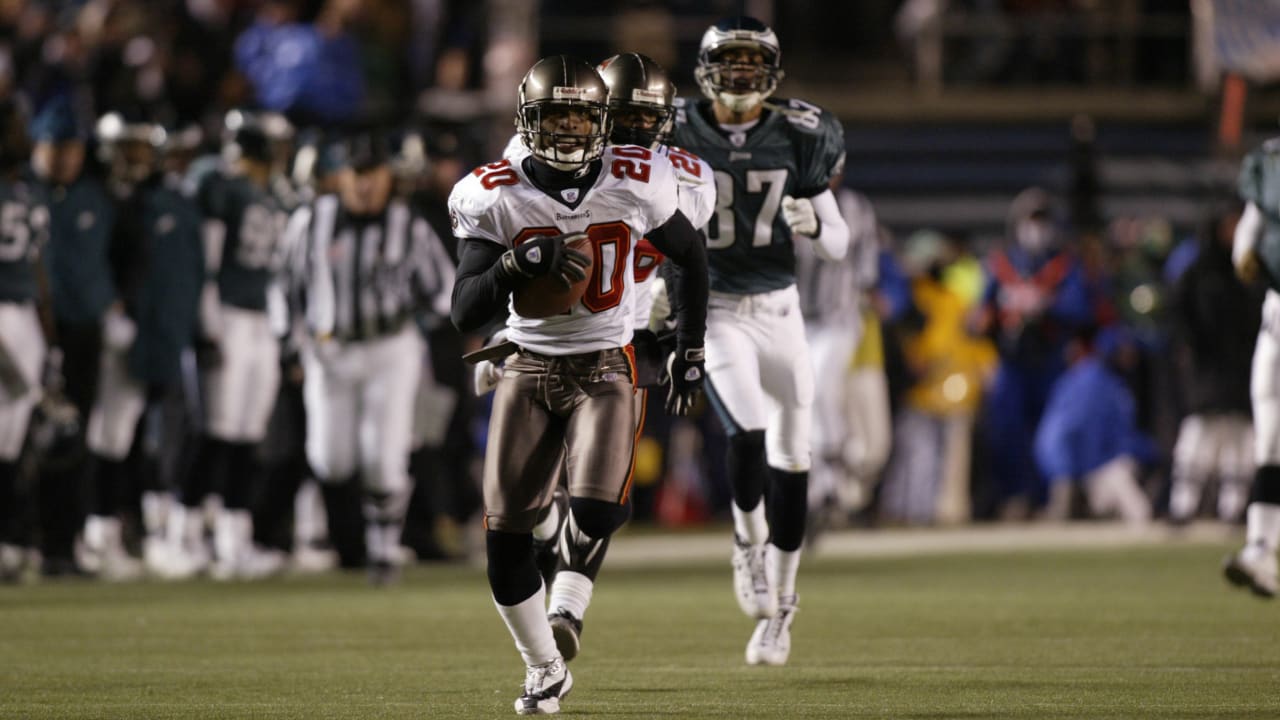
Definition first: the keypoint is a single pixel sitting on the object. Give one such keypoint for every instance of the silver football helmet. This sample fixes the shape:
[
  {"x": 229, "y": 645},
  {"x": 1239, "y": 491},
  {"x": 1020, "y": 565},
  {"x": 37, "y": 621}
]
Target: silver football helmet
[
  {"x": 641, "y": 100},
  {"x": 562, "y": 113},
  {"x": 738, "y": 85}
]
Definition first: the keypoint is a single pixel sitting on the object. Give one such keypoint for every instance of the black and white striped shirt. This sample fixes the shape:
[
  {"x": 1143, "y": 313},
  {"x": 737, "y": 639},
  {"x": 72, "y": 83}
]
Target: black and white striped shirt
[{"x": 358, "y": 278}]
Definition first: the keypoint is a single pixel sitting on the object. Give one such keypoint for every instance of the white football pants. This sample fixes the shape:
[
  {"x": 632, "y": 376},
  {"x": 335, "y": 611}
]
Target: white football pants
[
  {"x": 759, "y": 368},
  {"x": 831, "y": 349},
  {"x": 1264, "y": 384},
  {"x": 119, "y": 403},
  {"x": 241, "y": 390},
  {"x": 24, "y": 343}
]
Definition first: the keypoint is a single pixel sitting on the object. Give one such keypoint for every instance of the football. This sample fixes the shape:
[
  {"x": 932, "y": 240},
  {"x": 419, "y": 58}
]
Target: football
[{"x": 544, "y": 296}]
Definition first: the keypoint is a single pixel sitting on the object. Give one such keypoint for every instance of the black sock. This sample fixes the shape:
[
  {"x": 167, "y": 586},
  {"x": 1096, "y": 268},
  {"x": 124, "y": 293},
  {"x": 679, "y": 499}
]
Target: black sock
[
  {"x": 513, "y": 577},
  {"x": 8, "y": 501},
  {"x": 106, "y": 484},
  {"x": 1266, "y": 485},
  {"x": 746, "y": 468},
  {"x": 240, "y": 477},
  {"x": 342, "y": 507},
  {"x": 788, "y": 504}
]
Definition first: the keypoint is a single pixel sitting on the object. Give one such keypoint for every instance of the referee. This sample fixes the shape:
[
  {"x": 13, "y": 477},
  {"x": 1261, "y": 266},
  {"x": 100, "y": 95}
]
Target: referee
[{"x": 362, "y": 264}]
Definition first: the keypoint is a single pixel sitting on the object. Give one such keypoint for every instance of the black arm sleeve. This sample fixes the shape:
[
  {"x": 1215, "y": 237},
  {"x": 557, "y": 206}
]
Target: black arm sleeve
[
  {"x": 481, "y": 288},
  {"x": 679, "y": 241}
]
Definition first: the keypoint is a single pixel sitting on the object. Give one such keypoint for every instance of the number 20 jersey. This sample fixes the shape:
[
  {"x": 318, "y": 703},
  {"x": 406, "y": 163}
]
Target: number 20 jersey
[
  {"x": 634, "y": 193},
  {"x": 795, "y": 149}
]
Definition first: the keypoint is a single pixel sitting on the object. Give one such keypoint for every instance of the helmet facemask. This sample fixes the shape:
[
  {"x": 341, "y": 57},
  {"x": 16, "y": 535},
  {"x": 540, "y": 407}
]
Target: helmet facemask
[
  {"x": 565, "y": 134},
  {"x": 641, "y": 123},
  {"x": 740, "y": 74}
]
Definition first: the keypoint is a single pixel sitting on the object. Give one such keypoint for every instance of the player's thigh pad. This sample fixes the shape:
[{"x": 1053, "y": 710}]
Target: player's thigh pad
[
  {"x": 525, "y": 446},
  {"x": 732, "y": 365},
  {"x": 330, "y": 392},
  {"x": 116, "y": 409},
  {"x": 242, "y": 389},
  {"x": 600, "y": 435},
  {"x": 24, "y": 341},
  {"x": 786, "y": 374},
  {"x": 386, "y": 410}
]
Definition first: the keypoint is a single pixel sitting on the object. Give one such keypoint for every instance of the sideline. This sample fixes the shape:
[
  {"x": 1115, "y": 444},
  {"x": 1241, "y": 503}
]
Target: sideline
[{"x": 658, "y": 547}]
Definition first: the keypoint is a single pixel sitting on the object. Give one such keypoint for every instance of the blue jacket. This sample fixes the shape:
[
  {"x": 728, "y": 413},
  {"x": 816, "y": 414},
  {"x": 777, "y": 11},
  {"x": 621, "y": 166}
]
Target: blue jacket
[{"x": 1090, "y": 419}]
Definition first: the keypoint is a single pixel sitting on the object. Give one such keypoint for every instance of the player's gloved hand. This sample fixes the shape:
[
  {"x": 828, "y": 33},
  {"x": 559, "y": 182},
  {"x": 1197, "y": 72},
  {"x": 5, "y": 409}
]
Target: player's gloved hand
[
  {"x": 118, "y": 329},
  {"x": 800, "y": 216},
  {"x": 1248, "y": 268},
  {"x": 487, "y": 375},
  {"x": 660, "y": 309},
  {"x": 686, "y": 369},
  {"x": 548, "y": 255}
]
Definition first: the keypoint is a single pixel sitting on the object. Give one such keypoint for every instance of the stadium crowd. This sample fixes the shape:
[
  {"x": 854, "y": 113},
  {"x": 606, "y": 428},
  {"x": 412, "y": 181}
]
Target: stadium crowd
[{"x": 1084, "y": 367}]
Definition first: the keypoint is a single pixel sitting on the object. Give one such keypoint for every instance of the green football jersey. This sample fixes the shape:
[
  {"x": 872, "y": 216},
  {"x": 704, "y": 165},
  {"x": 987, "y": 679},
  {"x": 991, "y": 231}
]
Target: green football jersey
[
  {"x": 251, "y": 249},
  {"x": 795, "y": 149},
  {"x": 24, "y": 228},
  {"x": 1260, "y": 185}
]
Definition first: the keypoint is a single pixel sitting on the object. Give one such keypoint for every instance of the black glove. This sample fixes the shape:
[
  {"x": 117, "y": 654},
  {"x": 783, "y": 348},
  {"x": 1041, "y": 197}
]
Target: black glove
[
  {"x": 686, "y": 369},
  {"x": 548, "y": 255}
]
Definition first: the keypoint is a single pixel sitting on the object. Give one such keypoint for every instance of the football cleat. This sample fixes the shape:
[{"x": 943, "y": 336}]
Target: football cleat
[
  {"x": 544, "y": 686},
  {"x": 770, "y": 644},
  {"x": 567, "y": 630},
  {"x": 750, "y": 582},
  {"x": 1254, "y": 567}
]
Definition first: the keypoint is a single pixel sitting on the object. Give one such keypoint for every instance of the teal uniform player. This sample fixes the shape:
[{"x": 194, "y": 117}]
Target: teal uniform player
[{"x": 774, "y": 161}]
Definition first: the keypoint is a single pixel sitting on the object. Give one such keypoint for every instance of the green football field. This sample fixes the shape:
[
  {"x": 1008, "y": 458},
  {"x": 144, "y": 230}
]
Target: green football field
[{"x": 1148, "y": 631}]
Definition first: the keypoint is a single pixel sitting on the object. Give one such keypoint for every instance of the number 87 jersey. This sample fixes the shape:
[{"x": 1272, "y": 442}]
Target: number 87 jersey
[{"x": 633, "y": 193}]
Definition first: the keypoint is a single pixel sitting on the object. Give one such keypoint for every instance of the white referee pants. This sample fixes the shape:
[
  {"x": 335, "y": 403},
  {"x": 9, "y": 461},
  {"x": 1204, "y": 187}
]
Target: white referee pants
[
  {"x": 241, "y": 391},
  {"x": 359, "y": 398},
  {"x": 831, "y": 348},
  {"x": 24, "y": 345},
  {"x": 758, "y": 364}
]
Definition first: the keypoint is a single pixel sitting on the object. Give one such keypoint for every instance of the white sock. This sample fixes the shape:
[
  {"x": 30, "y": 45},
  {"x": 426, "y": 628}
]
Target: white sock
[
  {"x": 546, "y": 529},
  {"x": 750, "y": 525},
  {"x": 528, "y": 625},
  {"x": 571, "y": 591},
  {"x": 1264, "y": 525},
  {"x": 382, "y": 541},
  {"x": 155, "y": 511},
  {"x": 781, "y": 567}
]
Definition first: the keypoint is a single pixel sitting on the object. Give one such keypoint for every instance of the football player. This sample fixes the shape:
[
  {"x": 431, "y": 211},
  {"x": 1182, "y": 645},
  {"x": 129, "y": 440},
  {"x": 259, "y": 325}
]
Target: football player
[
  {"x": 641, "y": 109},
  {"x": 81, "y": 217},
  {"x": 24, "y": 227},
  {"x": 1256, "y": 249},
  {"x": 242, "y": 233},
  {"x": 568, "y": 394},
  {"x": 157, "y": 269},
  {"x": 773, "y": 161}
]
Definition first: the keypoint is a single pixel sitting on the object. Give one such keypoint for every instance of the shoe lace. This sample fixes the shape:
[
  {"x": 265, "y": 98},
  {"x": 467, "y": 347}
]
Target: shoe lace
[
  {"x": 535, "y": 677},
  {"x": 777, "y": 623}
]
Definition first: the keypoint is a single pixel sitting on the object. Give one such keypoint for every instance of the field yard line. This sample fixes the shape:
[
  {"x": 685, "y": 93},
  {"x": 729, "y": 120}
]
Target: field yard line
[{"x": 681, "y": 547}]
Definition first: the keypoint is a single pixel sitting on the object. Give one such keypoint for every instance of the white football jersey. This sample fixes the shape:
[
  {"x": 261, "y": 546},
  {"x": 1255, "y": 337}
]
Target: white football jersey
[
  {"x": 696, "y": 194},
  {"x": 634, "y": 193}
]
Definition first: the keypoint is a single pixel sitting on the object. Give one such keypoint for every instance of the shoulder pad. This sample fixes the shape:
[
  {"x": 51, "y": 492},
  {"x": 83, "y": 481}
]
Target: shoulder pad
[{"x": 481, "y": 188}]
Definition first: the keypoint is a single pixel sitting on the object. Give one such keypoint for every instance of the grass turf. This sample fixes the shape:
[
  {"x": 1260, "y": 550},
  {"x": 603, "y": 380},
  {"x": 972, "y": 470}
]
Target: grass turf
[{"x": 1148, "y": 632}]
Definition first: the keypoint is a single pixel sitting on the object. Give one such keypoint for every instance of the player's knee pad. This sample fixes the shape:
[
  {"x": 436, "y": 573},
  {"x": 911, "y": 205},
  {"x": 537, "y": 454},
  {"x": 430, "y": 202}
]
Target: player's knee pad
[
  {"x": 585, "y": 539},
  {"x": 1266, "y": 485},
  {"x": 598, "y": 518},
  {"x": 513, "y": 576},
  {"x": 787, "y": 508}
]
